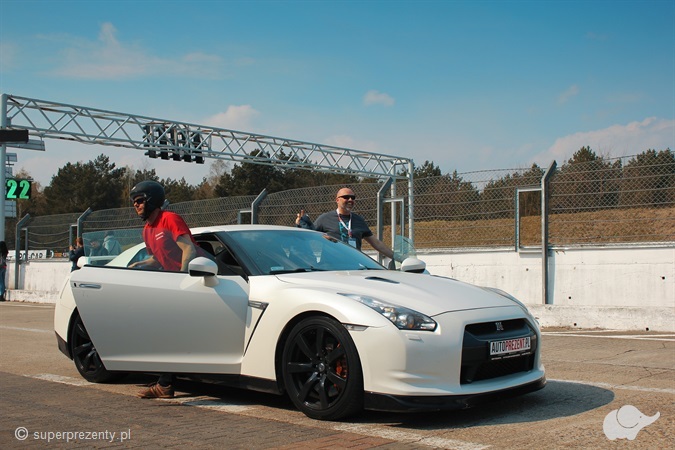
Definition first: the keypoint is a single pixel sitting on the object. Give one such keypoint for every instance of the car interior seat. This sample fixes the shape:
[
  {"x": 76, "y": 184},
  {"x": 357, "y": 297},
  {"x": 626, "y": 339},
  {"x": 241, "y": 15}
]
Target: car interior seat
[{"x": 207, "y": 247}]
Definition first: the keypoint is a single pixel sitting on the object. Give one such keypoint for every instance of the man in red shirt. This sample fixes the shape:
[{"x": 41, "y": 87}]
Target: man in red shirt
[
  {"x": 171, "y": 247},
  {"x": 167, "y": 237}
]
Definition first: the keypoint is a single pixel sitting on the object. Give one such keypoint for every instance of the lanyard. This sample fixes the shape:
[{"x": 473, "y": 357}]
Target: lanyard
[{"x": 348, "y": 226}]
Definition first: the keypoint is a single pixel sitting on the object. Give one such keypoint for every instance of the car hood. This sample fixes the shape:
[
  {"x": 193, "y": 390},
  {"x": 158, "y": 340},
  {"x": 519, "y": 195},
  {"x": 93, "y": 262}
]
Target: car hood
[{"x": 428, "y": 294}]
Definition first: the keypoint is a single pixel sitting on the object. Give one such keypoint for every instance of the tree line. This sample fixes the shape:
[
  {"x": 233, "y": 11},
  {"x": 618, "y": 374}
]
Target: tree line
[{"x": 584, "y": 183}]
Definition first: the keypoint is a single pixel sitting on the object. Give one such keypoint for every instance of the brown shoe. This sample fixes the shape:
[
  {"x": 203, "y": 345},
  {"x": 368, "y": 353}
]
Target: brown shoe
[{"x": 156, "y": 390}]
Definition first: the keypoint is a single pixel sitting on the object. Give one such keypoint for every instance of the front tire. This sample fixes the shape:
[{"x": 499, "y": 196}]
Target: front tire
[
  {"x": 321, "y": 369},
  {"x": 86, "y": 357}
]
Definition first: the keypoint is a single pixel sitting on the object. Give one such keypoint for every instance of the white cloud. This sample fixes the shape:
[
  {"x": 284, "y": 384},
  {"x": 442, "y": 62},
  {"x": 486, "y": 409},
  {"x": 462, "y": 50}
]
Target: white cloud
[
  {"x": 236, "y": 117},
  {"x": 344, "y": 141},
  {"x": 614, "y": 141},
  {"x": 374, "y": 97},
  {"x": 572, "y": 91},
  {"x": 109, "y": 59}
]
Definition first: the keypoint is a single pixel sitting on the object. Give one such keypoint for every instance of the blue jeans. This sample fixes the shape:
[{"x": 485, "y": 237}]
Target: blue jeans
[{"x": 3, "y": 286}]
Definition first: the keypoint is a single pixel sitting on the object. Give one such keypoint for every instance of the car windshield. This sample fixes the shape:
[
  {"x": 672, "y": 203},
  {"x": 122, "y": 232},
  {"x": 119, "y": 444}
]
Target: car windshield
[{"x": 288, "y": 251}]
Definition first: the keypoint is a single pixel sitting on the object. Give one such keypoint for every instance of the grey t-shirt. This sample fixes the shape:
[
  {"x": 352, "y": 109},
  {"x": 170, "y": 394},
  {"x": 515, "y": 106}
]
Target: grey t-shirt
[{"x": 340, "y": 227}]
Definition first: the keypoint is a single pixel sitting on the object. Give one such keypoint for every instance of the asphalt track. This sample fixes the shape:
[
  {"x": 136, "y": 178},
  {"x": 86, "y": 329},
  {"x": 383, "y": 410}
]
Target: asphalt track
[{"x": 592, "y": 375}]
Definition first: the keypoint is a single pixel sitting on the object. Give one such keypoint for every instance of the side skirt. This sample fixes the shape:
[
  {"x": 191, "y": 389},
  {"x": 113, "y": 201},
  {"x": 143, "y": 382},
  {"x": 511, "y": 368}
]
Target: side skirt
[{"x": 238, "y": 381}]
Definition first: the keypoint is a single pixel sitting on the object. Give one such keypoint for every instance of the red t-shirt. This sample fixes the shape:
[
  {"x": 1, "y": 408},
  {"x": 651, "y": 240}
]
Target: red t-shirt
[{"x": 160, "y": 239}]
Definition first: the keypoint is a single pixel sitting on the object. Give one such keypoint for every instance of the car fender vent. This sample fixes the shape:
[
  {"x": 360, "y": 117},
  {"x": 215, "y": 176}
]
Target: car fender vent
[{"x": 386, "y": 280}]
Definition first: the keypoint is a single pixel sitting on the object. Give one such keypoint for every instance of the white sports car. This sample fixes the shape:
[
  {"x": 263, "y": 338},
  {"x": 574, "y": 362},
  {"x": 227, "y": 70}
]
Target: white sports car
[{"x": 286, "y": 310}]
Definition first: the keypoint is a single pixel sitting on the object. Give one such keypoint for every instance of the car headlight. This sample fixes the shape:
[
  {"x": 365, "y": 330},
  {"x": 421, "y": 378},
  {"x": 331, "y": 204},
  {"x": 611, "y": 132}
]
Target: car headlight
[{"x": 403, "y": 318}]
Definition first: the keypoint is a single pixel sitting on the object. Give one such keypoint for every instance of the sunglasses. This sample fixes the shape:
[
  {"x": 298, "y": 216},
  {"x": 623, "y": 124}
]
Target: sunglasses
[
  {"x": 348, "y": 197},
  {"x": 139, "y": 201}
]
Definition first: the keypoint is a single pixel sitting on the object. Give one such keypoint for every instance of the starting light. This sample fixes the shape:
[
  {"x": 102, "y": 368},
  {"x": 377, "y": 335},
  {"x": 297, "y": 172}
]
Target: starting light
[{"x": 185, "y": 144}]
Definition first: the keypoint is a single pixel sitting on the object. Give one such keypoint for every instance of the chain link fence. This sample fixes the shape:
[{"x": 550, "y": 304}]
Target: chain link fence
[
  {"x": 606, "y": 201},
  {"x": 282, "y": 208},
  {"x": 622, "y": 200},
  {"x": 52, "y": 233},
  {"x": 471, "y": 210}
]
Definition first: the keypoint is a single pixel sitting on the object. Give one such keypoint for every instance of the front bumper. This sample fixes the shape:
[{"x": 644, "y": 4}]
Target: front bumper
[
  {"x": 397, "y": 403},
  {"x": 409, "y": 364},
  {"x": 63, "y": 346}
]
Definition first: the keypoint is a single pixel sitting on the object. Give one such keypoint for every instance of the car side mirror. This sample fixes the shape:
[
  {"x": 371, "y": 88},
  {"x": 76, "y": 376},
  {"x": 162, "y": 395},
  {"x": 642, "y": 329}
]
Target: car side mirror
[
  {"x": 204, "y": 267},
  {"x": 83, "y": 261},
  {"x": 413, "y": 265}
]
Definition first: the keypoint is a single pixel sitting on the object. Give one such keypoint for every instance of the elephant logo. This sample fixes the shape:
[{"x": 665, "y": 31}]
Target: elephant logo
[{"x": 626, "y": 422}]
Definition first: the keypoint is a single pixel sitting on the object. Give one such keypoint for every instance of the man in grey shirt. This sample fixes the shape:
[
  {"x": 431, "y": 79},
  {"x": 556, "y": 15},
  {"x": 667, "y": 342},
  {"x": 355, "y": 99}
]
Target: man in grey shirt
[{"x": 345, "y": 225}]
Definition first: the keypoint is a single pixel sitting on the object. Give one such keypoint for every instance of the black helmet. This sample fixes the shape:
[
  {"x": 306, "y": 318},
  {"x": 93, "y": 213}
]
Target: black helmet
[{"x": 152, "y": 192}]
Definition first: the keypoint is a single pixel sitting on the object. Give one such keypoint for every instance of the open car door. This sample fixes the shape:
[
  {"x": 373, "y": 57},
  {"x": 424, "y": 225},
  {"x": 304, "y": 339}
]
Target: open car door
[{"x": 155, "y": 321}]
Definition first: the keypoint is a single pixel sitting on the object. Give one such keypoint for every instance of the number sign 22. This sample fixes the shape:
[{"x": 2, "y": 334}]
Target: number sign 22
[{"x": 18, "y": 189}]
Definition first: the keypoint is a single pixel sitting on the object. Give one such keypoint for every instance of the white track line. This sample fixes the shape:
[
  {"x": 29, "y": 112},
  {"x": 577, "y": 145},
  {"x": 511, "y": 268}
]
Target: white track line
[
  {"x": 405, "y": 436},
  {"x": 32, "y": 330},
  {"x": 617, "y": 386},
  {"x": 61, "y": 379},
  {"x": 634, "y": 337},
  {"x": 207, "y": 403}
]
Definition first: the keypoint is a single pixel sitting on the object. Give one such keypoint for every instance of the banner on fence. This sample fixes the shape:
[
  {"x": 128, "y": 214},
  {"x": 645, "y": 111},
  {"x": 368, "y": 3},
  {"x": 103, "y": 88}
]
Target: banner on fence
[{"x": 32, "y": 254}]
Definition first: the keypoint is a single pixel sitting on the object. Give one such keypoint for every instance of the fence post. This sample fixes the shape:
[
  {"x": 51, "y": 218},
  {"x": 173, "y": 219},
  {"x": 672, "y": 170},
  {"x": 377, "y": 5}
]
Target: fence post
[
  {"x": 17, "y": 246},
  {"x": 411, "y": 202},
  {"x": 3, "y": 157},
  {"x": 544, "y": 232},
  {"x": 392, "y": 214},
  {"x": 81, "y": 219},
  {"x": 255, "y": 205},
  {"x": 380, "y": 207}
]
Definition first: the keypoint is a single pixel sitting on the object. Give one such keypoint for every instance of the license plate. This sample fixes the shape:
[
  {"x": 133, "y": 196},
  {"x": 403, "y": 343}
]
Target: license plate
[{"x": 510, "y": 346}]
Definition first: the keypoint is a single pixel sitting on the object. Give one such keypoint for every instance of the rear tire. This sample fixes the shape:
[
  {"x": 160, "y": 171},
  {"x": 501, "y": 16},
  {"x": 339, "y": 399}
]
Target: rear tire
[
  {"x": 86, "y": 357},
  {"x": 321, "y": 369}
]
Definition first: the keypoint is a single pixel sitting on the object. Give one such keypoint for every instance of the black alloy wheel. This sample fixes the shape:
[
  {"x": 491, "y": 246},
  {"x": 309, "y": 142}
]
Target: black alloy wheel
[
  {"x": 86, "y": 358},
  {"x": 321, "y": 369}
]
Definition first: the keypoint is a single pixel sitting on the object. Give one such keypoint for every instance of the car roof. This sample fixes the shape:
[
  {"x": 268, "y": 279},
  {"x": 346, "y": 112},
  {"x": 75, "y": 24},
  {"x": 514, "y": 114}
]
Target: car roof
[{"x": 243, "y": 227}]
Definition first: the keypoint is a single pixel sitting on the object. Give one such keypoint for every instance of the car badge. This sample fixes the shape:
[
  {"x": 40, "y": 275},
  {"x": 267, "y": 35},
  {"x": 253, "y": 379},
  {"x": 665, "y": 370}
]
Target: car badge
[{"x": 499, "y": 326}]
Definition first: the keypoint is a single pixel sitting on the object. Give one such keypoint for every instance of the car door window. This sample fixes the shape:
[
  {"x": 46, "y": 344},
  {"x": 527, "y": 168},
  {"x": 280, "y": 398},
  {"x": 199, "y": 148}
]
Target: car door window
[{"x": 227, "y": 263}]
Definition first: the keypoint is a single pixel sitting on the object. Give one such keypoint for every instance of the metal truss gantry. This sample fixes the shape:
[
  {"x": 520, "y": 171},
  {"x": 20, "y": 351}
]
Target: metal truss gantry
[{"x": 182, "y": 141}]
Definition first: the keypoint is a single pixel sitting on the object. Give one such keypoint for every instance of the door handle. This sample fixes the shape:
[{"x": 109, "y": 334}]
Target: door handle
[{"x": 87, "y": 286}]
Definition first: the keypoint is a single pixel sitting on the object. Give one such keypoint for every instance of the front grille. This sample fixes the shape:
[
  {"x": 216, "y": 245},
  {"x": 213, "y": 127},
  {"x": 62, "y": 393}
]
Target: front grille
[{"x": 477, "y": 364}]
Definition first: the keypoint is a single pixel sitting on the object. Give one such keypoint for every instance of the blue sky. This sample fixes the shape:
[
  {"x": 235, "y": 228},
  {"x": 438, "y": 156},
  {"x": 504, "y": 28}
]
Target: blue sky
[{"x": 468, "y": 85}]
